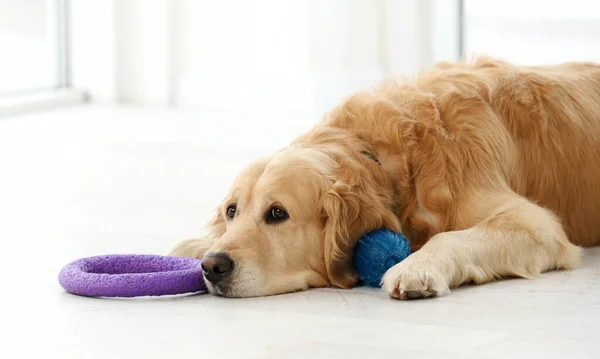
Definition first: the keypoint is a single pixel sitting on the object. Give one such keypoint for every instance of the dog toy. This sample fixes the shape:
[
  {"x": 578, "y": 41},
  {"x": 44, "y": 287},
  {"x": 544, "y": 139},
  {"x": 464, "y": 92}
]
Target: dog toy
[
  {"x": 134, "y": 275},
  {"x": 376, "y": 252}
]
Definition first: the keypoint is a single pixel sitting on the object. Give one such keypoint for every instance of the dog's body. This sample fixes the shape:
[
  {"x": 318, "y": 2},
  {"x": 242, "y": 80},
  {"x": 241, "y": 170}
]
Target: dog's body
[{"x": 491, "y": 170}]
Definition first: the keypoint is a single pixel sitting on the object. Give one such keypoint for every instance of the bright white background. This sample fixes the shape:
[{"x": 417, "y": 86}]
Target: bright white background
[
  {"x": 534, "y": 31},
  {"x": 184, "y": 94},
  {"x": 271, "y": 56},
  {"x": 26, "y": 49},
  {"x": 253, "y": 56}
]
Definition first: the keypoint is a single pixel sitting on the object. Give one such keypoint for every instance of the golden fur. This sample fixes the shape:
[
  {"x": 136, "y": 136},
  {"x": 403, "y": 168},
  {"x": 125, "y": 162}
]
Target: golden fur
[{"x": 492, "y": 170}]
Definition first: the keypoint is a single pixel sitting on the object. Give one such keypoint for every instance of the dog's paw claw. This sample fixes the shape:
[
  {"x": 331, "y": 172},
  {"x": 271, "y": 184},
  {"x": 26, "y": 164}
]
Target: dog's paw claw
[{"x": 413, "y": 281}]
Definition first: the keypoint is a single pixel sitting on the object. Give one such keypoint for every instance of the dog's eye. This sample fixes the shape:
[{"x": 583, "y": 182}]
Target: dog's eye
[
  {"x": 231, "y": 212},
  {"x": 276, "y": 214}
]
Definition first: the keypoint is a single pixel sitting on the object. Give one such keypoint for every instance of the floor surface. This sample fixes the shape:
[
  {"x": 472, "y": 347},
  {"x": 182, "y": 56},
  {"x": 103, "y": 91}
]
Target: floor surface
[{"x": 86, "y": 180}]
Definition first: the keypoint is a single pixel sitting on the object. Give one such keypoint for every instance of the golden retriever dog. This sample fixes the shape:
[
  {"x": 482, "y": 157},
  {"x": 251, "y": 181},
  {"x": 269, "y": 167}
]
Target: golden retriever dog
[{"x": 492, "y": 170}]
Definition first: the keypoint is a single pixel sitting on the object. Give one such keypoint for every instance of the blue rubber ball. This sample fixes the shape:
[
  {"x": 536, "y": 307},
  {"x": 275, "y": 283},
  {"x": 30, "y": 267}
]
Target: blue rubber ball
[{"x": 376, "y": 252}]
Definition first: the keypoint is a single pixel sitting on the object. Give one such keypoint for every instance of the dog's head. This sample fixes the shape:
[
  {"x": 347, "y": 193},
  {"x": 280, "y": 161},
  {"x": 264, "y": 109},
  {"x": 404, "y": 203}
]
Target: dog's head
[{"x": 291, "y": 221}]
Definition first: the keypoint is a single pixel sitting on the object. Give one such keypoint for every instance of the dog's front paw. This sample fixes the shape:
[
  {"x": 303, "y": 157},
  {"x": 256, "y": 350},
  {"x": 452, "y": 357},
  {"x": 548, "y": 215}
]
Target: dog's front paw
[{"x": 412, "y": 278}]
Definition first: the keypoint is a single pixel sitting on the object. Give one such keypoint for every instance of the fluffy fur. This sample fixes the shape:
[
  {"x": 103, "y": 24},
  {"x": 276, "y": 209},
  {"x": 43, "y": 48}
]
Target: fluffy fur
[{"x": 492, "y": 170}]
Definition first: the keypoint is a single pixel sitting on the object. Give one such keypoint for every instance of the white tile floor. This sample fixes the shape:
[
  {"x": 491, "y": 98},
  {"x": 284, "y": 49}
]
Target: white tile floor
[{"x": 87, "y": 181}]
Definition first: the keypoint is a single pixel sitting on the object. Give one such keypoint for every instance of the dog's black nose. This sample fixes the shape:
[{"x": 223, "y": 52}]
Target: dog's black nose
[{"x": 216, "y": 266}]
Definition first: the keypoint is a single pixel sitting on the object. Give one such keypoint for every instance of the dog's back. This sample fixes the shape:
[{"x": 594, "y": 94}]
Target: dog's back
[{"x": 550, "y": 116}]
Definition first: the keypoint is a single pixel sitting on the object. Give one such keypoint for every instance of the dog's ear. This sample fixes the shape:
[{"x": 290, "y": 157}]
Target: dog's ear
[
  {"x": 350, "y": 210},
  {"x": 197, "y": 247},
  {"x": 339, "y": 208}
]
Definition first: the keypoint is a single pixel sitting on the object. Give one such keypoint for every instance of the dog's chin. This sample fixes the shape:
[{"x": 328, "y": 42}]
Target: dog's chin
[
  {"x": 250, "y": 286},
  {"x": 245, "y": 282},
  {"x": 216, "y": 290},
  {"x": 230, "y": 290}
]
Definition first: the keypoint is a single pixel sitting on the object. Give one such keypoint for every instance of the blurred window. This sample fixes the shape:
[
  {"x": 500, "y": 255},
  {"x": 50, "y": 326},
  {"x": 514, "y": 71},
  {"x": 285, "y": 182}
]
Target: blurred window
[
  {"x": 533, "y": 31},
  {"x": 32, "y": 45}
]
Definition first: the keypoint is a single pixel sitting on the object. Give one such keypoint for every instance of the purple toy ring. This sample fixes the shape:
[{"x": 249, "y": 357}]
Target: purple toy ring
[{"x": 132, "y": 275}]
